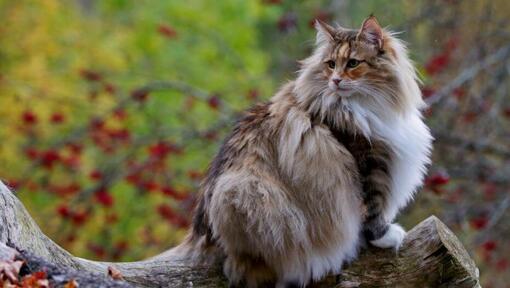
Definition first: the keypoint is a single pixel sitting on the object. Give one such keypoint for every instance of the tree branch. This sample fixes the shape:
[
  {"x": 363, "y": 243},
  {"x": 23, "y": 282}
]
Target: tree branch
[{"x": 431, "y": 256}]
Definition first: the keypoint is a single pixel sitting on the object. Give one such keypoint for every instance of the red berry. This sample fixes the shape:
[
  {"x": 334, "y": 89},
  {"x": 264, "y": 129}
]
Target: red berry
[{"x": 29, "y": 118}]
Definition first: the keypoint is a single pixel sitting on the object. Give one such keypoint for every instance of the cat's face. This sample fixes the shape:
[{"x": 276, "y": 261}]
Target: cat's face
[
  {"x": 354, "y": 61},
  {"x": 366, "y": 68}
]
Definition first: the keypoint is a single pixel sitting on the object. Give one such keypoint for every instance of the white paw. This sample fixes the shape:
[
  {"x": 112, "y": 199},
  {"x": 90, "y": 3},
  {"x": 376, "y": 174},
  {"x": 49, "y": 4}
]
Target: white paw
[{"x": 392, "y": 239}]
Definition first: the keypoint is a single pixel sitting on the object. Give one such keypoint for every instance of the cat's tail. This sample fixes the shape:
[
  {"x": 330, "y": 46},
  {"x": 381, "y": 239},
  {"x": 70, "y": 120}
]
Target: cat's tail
[{"x": 193, "y": 248}]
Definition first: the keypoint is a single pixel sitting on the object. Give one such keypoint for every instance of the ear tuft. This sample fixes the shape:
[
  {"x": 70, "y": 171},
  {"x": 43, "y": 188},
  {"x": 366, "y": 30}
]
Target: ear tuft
[
  {"x": 371, "y": 31},
  {"x": 325, "y": 32}
]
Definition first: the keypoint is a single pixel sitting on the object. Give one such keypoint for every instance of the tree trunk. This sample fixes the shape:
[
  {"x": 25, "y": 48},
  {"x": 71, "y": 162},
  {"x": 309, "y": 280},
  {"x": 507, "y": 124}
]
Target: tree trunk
[{"x": 431, "y": 256}]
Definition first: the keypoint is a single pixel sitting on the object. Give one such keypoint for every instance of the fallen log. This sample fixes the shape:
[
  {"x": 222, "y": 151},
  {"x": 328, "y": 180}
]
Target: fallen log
[{"x": 430, "y": 256}]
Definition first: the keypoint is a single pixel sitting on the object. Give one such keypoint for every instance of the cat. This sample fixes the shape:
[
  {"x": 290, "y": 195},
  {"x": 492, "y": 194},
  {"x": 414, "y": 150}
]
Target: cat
[{"x": 304, "y": 179}]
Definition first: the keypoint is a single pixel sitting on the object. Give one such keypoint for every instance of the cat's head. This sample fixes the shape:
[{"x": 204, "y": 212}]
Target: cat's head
[{"x": 368, "y": 66}]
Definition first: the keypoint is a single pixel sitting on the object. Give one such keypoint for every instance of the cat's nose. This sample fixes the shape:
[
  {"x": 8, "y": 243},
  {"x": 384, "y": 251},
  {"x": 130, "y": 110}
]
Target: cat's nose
[{"x": 337, "y": 81}]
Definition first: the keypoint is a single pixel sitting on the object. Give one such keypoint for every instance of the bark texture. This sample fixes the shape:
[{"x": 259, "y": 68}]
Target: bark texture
[{"x": 431, "y": 256}]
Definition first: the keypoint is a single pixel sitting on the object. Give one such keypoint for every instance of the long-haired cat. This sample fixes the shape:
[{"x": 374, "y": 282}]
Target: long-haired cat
[{"x": 323, "y": 166}]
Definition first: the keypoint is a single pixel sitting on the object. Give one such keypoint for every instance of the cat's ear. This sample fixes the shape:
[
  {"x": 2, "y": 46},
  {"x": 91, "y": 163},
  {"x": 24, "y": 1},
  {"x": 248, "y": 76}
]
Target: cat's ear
[
  {"x": 371, "y": 31},
  {"x": 325, "y": 32}
]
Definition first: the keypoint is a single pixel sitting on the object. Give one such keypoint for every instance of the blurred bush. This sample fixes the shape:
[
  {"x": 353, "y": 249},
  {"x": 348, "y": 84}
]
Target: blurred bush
[{"x": 112, "y": 110}]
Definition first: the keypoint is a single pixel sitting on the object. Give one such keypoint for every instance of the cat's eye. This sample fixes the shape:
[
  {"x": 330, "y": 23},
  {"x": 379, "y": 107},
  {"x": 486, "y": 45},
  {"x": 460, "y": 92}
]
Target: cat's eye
[
  {"x": 331, "y": 64},
  {"x": 352, "y": 63}
]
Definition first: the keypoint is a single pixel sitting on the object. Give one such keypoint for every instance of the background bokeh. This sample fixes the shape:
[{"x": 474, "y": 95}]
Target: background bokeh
[{"x": 110, "y": 111}]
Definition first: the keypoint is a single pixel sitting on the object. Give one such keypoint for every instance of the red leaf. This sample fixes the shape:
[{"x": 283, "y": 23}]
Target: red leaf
[
  {"x": 65, "y": 190},
  {"x": 37, "y": 279},
  {"x": 194, "y": 175},
  {"x": 506, "y": 112},
  {"x": 167, "y": 31},
  {"x": 140, "y": 95},
  {"x": 97, "y": 124},
  {"x": 166, "y": 212},
  {"x": 64, "y": 211},
  {"x": 168, "y": 191},
  {"x": 31, "y": 153},
  {"x": 502, "y": 265},
  {"x": 49, "y": 158},
  {"x": 103, "y": 197},
  {"x": 75, "y": 148},
  {"x": 71, "y": 162},
  {"x": 322, "y": 15},
  {"x": 437, "y": 179},
  {"x": 29, "y": 118},
  {"x": 214, "y": 102},
  {"x": 90, "y": 75},
  {"x": 71, "y": 284},
  {"x": 109, "y": 88},
  {"x": 120, "y": 114},
  {"x": 57, "y": 118},
  {"x": 287, "y": 22},
  {"x": 150, "y": 186},
  {"x": 95, "y": 175},
  {"x": 427, "y": 92},
  {"x": 272, "y": 2},
  {"x": 9, "y": 270},
  {"x": 99, "y": 251},
  {"x": 437, "y": 63},
  {"x": 489, "y": 245},
  {"x": 489, "y": 191},
  {"x": 79, "y": 218},
  {"x": 479, "y": 222},
  {"x": 114, "y": 273},
  {"x": 253, "y": 94}
]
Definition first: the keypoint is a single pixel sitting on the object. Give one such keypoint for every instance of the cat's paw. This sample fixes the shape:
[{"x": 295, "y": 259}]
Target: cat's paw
[{"x": 392, "y": 238}]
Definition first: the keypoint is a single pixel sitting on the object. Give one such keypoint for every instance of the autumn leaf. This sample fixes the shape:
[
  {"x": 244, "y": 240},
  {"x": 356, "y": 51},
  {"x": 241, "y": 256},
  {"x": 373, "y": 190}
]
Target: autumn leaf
[
  {"x": 37, "y": 279},
  {"x": 71, "y": 284},
  {"x": 9, "y": 270},
  {"x": 114, "y": 273}
]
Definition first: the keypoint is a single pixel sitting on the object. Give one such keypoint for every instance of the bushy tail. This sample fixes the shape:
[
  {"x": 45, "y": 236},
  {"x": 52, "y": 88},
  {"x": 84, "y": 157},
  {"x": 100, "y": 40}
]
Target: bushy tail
[{"x": 191, "y": 249}]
